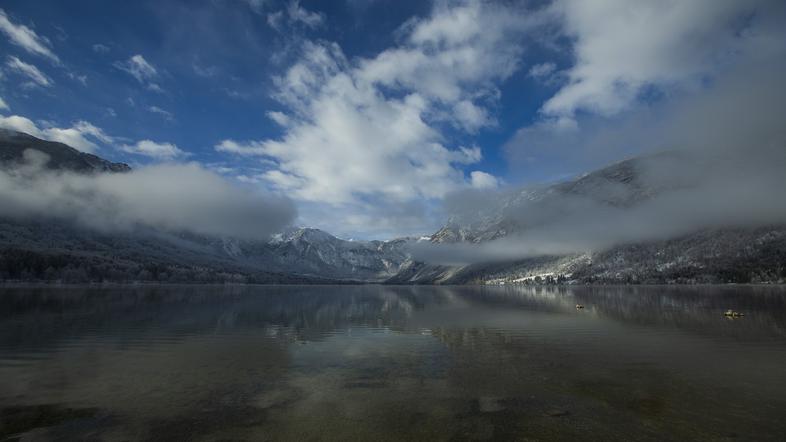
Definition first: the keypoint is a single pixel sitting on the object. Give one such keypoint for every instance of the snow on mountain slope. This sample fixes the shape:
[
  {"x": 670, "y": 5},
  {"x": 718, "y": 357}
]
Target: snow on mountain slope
[
  {"x": 734, "y": 254},
  {"x": 314, "y": 252},
  {"x": 623, "y": 184},
  {"x": 41, "y": 248},
  {"x": 310, "y": 253}
]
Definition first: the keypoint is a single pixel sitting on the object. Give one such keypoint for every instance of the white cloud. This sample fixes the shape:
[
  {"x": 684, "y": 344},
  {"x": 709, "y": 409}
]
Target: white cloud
[
  {"x": 483, "y": 180},
  {"x": 28, "y": 70},
  {"x": 299, "y": 14},
  {"x": 295, "y": 14},
  {"x": 372, "y": 128},
  {"x": 542, "y": 70},
  {"x": 279, "y": 117},
  {"x": 371, "y": 219},
  {"x": 80, "y": 78},
  {"x": 100, "y": 48},
  {"x": 20, "y": 124},
  {"x": 223, "y": 169},
  {"x": 470, "y": 116},
  {"x": 630, "y": 59},
  {"x": 142, "y": 70},
  {"x": 139, "y": 68},
  {"x": 205, "y": 71},
  {"x": 724, "y": 169},
  {"x": 174, "y": 197},
  {"x": 250, "y": 148},
  {"x": 86, "y": 128},
  {"x": 3, "y": 104},
  {"x": 71, "y": 136},
  {"x": 256, "y": 5},
  {"x": 275, "y": 20},
  {"x": 82, "y": 135},
  {"x": 85, "y": 136},
  {"x": 164, "y": 113},
  {"x": 161, "y": 151},
  {"x": 623, "y": 47},
  {"x": 253, "y": 179},
  {"x": 26, "y": 38},
  {"x": 457, "y": 53}
]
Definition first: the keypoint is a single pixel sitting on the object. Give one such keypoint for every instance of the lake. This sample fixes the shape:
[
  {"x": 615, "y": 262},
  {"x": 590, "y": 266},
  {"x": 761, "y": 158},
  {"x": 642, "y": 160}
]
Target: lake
[{"x": 381, "y": 363}]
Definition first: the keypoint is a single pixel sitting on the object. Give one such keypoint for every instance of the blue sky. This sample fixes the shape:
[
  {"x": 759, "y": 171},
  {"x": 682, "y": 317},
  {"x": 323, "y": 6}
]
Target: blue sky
[{"x": 366, "y": 113}]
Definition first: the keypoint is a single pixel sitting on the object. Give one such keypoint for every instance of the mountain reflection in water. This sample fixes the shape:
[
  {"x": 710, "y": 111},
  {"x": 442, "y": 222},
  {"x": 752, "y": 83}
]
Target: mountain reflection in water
[{"x": 392, "y": 363}]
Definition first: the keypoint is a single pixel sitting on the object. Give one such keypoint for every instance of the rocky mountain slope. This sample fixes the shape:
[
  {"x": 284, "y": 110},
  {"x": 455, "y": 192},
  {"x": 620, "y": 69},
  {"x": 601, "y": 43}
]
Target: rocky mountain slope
[
  {"x": 621, "y": 185},
  {"x": 45, "y": 250},
  {"x": 711, "y": 255},
  {"x": 318, "y": 252}
]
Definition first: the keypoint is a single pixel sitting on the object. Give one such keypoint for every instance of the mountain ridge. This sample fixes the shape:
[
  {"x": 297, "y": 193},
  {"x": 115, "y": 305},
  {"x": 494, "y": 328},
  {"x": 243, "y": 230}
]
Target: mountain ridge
[
  {"x": 51, "y": 250},
  {"x": 706, "y": 255},
  {"x": 60, "y": 156}
]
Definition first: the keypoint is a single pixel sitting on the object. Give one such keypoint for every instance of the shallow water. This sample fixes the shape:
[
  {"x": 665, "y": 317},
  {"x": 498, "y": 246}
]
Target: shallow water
[{"x": 392, "y": 363}]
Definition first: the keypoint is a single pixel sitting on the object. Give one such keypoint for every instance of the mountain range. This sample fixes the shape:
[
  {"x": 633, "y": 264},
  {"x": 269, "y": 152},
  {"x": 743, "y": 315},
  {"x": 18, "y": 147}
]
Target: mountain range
[{"x": 54, "y": 250}]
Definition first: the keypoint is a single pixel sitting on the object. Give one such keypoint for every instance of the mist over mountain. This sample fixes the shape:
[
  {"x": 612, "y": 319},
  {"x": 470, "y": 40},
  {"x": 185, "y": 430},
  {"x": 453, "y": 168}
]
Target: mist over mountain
[
  {"x": 710, "y": 196},
  {"x": 609, "y": 226},
  {"x": 393, "y": 220},
  {"x": 43, "y": 179},
  {"x": 65, "y": 215},
  {"x": 552, "y": 233},
  {"x": 460, "y": 141}
]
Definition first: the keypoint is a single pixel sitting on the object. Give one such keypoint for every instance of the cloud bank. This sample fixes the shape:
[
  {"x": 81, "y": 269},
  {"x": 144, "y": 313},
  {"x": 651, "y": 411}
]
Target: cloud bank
[{"x": 172, "y": 198}]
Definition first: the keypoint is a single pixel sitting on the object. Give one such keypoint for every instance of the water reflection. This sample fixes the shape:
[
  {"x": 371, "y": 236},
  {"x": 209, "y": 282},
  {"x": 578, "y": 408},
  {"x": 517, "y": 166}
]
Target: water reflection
[{"x": 378, "y": 362}]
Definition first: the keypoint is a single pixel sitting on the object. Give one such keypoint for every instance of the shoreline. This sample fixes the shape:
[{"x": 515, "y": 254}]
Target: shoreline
[{"x": 25, "y": 284}]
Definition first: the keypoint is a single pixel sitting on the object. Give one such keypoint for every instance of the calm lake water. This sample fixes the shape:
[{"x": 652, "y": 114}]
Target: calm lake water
[{"x": 378, "y": 363}]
